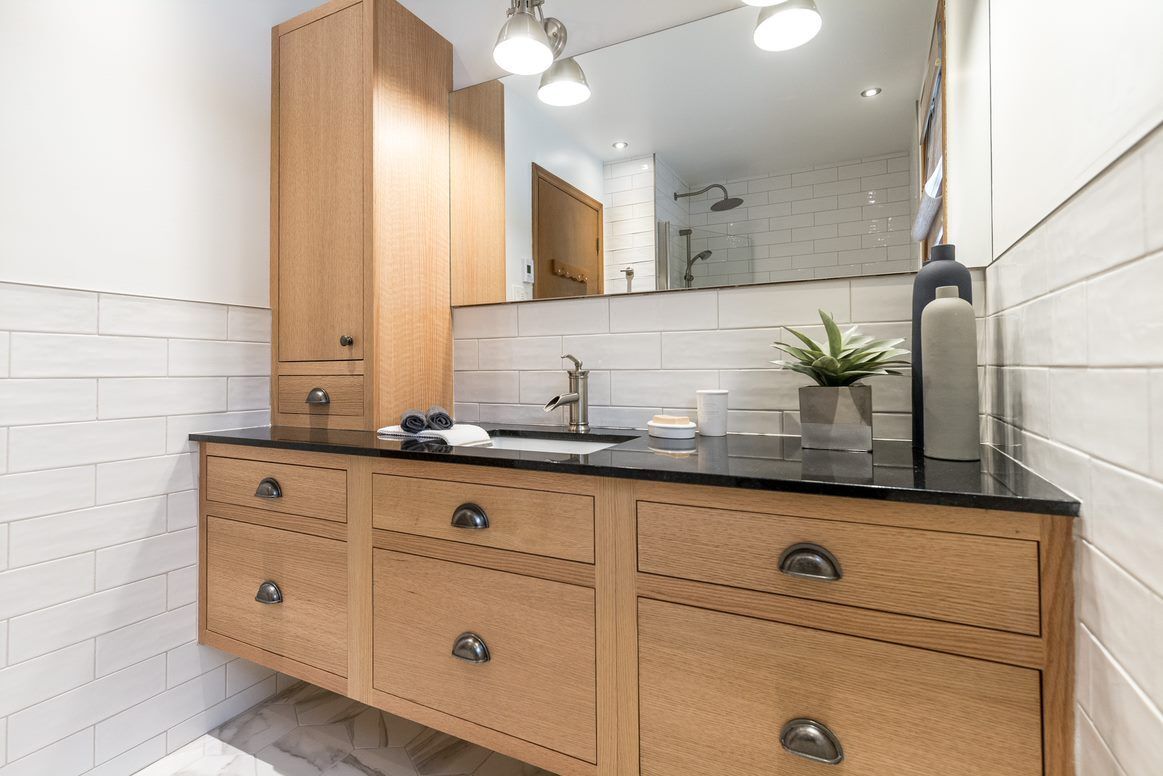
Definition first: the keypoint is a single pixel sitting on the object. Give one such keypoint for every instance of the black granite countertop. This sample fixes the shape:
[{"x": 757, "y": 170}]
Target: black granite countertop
[{"x": 893, "y": 471}]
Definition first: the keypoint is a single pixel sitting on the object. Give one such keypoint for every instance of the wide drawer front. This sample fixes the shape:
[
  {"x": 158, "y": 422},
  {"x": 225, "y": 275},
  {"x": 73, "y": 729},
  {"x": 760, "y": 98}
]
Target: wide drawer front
[
  {"x": 277, "y": 590},
  {"x": 321, "y": 395},
  {"x": 558, "y": 525},
  {"x": 525, "y": 651},
  {"x": 975, "y": 580},
  {"x": 278, "y": 487},
  {"x": 723, "y": 694}
]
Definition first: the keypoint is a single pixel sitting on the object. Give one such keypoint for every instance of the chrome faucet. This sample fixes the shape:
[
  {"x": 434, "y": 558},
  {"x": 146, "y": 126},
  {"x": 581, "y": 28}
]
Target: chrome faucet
[{"x": 578, "y": 397}]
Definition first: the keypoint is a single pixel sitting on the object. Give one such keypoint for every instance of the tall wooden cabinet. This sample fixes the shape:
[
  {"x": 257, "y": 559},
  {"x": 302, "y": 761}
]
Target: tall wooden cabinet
[{"x": 360, "y": 271}]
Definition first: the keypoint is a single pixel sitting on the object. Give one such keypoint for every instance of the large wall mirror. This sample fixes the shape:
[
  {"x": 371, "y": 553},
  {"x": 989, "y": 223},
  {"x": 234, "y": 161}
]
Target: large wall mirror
[{"x": 703, "y": 161}]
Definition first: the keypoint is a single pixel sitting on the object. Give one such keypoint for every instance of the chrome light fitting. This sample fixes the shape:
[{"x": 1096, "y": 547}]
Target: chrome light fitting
[
  {"x": 528, "y": 42},
  {"x": 786, "y": 24}
]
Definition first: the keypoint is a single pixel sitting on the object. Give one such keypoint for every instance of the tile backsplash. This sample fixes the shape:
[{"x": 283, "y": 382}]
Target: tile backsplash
[
  {"x": 99, "y": 664},
  {"x": 649, "y": 353}
]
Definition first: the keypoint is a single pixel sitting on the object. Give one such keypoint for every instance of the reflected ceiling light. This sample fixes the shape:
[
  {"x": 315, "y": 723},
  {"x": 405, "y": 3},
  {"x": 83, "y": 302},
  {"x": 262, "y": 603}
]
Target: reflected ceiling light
[
  {"x": 528, "y": 42},
  {"x": 620, "y": 145},
  {"x": 787, "y": 25},
  {"x": 871, "y": 92},
  {"x": 564, "y": 84},
  {"x": 762, "y": 3}
]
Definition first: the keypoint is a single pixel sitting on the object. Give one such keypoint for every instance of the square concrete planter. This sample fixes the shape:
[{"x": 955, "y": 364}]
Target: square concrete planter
[{"x": 836, "y": 418}]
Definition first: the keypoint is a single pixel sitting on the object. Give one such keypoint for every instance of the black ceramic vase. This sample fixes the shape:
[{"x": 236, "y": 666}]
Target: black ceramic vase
[{"x": 943, "y": 269}]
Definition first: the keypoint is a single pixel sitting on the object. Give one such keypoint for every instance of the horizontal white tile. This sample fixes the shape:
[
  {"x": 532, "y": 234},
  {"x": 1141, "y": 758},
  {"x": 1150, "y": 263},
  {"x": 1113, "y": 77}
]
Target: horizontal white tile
[
  {"x": 616, "y": 351},
  {"x": 654, "y": 388},
  {"x": 149, "y": 317},
  {"x": 1127, "y": 721},
  {"x": 133, "y": 760},
  {"x": 144, "y": 558},
  {"x": 181, "y": 510},
  {"x": 531, "y": 414},
  {"x": 29, "y": 402},
  {"x": 140, "y": 397},
  {"x": 182, "y": 587},
  {"x": 49, "y": 721},
  {"x": 622, "y": 417},
  {"x": 57, "y": 536},
  {"x": 665, "y": 312},
  {"x": 132, "y": 644},
  {"x": 189, "y": 729},
  {"x": 33, "y": 681},
  {"x": 33, "y": 308},
  {"x": 726, "y": 349},
  {"x": 588, "y": 315},
  {"x": 4, "y": 343},
  {"x": 41, "y": 493},
  {"x": 464, "y": 354},
  {"x": 519, "y": 353},
  {"x": 69, "y": 623},
  {"x": 126, "y": 480},
  {"x": 179, "y": 427},
  {"x": 487, "y": 387},
  {"x": 73, "y": 444},
  {"x": 250, "y": 324},
  {"x": 539, "y": 387},
  {"x": 30, "y": 588},
  {"x": 786, "y": 304},
  {"x": 192, "y": 660},
  {"x": 1122, "y": 521},
  {"x": 198, "y": 358},
  {"x": 86, "y": 355},
  {"x": 161, "y": 712},
  {"x": 248, "y": 393},
  {"x": 70, "y": 756},
  {"x": 496, "y": 320},
  {"x": 842, "y": 215},
  {"x": 762, "y": 389},
  {"x": 1133, "y": 336},
  {"x": 241, "y": 674},
  {"x": 888, "y": 298},
  {"x": 862, "y": 169},
  {"x": 3, "y": 541}
]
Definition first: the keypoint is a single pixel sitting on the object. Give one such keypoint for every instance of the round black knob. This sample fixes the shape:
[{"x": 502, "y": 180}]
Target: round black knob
[{"x": 346, "y": 341}]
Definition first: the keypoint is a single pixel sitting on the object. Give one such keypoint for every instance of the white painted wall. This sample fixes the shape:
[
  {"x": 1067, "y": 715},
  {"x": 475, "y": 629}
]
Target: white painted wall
[
  {"x": 532, "y": 137},
  {"x": 134, "y": 140},
  {"x": 1076, "y": 84},
  {"x": 969, "y": 175}
]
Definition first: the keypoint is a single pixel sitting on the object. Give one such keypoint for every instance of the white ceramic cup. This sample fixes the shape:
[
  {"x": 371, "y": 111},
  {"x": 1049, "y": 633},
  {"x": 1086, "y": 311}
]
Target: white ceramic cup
[{"x": 712, "y": 409}]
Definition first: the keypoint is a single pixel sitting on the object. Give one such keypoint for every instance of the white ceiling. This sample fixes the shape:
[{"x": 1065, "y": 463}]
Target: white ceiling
[
  {"x": 472, "y": 25},
  {"x": 714, "y": 106}
]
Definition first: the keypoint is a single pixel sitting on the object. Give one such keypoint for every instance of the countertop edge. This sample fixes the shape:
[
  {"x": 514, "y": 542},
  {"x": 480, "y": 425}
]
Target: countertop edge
[{"x": 1028, "y": 505}]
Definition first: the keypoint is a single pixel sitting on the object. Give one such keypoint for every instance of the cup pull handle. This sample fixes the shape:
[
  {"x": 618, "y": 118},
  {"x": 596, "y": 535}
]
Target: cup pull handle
[
  {"x": 269, "y": 593},
  {"x": 318, "y": 397},
  {"x": 471, "y": 648},
  {"x": 810, "y": 561},
  {"x": 268, "y": 487},
  {"x": 811, "y": 740},
  {"x": 470, "y": 516}
]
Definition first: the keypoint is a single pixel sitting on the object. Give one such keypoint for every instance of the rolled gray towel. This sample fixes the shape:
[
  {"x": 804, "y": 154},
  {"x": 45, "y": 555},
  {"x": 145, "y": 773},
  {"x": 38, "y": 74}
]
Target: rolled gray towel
[
  {"x": 413, "y": 422},
  {"x": 439, "y": 419}
]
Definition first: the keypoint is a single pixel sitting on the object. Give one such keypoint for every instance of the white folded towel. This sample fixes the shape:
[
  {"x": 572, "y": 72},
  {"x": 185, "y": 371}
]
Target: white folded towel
[{"x": 460, "y": 435}]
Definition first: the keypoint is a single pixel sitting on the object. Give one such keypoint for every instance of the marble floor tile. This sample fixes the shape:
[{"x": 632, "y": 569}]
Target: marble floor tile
[{"x": 307, "y": 731}]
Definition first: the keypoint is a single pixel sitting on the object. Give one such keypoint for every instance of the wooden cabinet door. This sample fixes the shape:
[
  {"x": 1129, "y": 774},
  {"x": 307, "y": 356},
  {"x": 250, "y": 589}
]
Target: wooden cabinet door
[{"x": 321, "y": 114}]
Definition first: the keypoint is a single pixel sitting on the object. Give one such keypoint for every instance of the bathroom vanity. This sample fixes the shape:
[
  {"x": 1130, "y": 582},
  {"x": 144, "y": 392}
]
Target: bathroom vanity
[{"x": 748, "y": 608}]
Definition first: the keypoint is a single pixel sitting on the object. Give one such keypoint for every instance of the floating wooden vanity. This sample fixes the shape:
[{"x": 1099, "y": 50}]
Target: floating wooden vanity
[{"x": 600, "y": 625}]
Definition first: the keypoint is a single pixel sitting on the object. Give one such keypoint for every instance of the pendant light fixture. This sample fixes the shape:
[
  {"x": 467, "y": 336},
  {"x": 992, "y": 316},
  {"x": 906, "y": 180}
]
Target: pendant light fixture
[
  {"x": 564, "y": 84},
  {"x": 786, "y": 24},
  {"x": 528, "y": 42}
]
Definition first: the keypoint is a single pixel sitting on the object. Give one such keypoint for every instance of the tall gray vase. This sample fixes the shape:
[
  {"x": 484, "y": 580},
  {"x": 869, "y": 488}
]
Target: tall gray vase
[
  {"x": 949, "y": 334},
  {"x": 943, "y": 269}
]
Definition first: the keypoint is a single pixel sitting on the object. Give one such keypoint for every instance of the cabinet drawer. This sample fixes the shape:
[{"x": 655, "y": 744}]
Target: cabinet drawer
[
  {"x": 538, "y": 683},
  {"x": 310, "y": 573},
  {"x": 718, "y": 690},
  {"x": 297, "y": 490},
  {"x": 559, "y": 525},
  {"x": 340, "y": 395},
  {"x": 975, "y": 580}
]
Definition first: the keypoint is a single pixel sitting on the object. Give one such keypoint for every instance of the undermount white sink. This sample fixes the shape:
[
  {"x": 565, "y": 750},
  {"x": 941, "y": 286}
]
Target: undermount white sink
[{"x": 541, "y": 445}]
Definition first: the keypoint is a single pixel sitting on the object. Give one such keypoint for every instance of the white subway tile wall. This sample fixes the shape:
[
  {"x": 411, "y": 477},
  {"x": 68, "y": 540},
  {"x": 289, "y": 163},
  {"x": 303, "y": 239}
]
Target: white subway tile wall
[
  {"x": 1075, "y": 390},
  {"x": 651, "y": 352},
  {"x": 833, "y": 220},
  {"x": 629, "y": 223},
  {"x": 100, "y": 672}
]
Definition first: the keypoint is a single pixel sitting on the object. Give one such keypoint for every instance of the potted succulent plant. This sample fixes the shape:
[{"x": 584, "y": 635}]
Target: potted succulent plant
[{"x": 836, "y": 413}]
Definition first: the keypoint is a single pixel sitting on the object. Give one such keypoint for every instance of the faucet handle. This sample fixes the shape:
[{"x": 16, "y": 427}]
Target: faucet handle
[{"x": 577, "y": 364}]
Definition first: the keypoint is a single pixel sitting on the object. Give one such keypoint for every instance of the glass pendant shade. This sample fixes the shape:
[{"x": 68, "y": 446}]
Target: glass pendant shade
[{"x": 787, "y": 25}]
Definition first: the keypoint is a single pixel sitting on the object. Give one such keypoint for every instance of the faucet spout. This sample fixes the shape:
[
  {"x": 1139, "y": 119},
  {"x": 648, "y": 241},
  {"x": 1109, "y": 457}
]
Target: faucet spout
[{"x": 561, "y": 400}]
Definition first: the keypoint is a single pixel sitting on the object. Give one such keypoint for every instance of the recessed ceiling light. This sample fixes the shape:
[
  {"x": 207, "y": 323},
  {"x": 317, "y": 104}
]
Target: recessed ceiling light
[
  {"x": 872, "y": 92},
  {"x": 789, "y": 24},
  {"x": 620, "y": 145}
]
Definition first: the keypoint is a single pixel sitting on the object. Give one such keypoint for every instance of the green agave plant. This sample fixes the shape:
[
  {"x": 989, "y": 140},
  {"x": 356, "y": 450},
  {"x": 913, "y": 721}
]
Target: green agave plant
[{"x": 847, "y": 358}]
